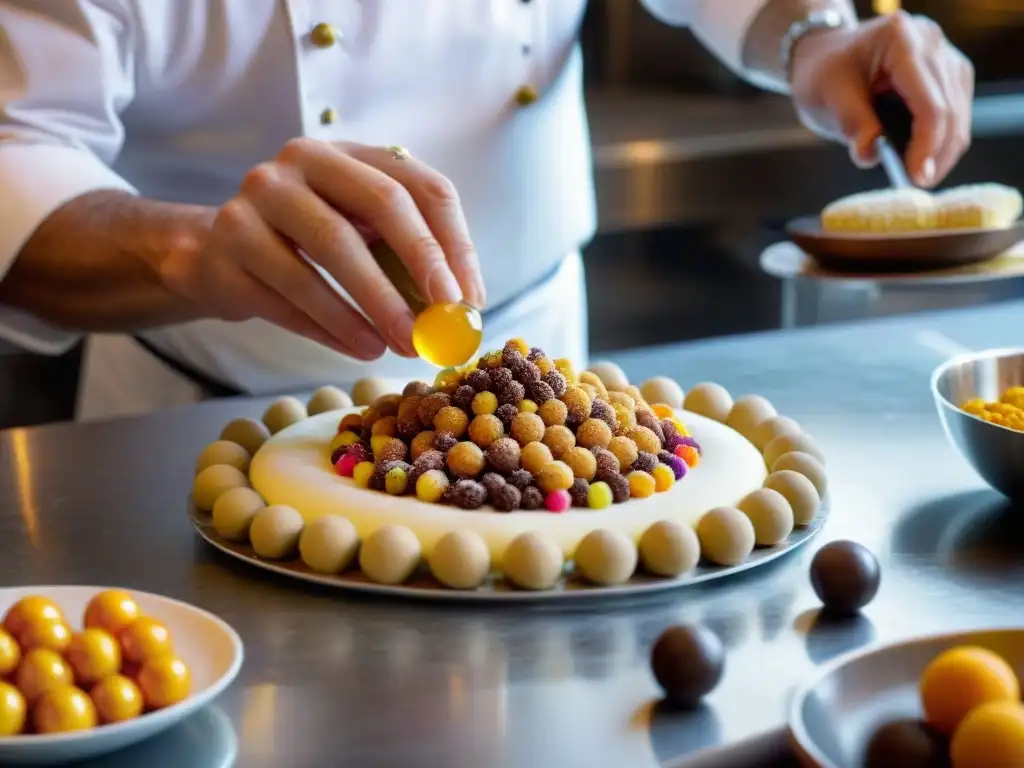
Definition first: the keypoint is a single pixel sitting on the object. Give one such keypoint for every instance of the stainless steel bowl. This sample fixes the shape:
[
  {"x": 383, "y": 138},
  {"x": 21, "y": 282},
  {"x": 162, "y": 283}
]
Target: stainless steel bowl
[{"x": 995, "y": 452}]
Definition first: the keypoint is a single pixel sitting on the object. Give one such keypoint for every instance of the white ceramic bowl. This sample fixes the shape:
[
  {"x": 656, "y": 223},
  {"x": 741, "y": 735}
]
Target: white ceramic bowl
[{"x": 211, "y": 648}]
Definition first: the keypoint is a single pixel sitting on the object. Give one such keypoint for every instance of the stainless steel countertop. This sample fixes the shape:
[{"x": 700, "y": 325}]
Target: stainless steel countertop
[{"x": 334, "y": 680}]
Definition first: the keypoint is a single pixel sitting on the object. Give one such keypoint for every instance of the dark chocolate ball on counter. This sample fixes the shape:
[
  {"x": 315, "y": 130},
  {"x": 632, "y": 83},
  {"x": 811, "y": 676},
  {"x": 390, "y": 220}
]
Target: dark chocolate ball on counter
[
  {"x": 907, "y": 743},
  {"x": 687, "y": 661},
  {"x": 845, "y": 576}
]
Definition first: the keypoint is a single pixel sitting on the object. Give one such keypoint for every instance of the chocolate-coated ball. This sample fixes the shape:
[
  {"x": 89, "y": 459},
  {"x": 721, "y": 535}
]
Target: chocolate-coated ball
[
  {"x": 687, "y": 661},
  {"x": 845, "y": 576},
  {"x": 906, "y": 743}
]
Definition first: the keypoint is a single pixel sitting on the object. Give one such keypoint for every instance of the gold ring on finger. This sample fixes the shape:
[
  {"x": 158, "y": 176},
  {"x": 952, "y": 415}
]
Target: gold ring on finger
[{"x": 399, "y": 153}]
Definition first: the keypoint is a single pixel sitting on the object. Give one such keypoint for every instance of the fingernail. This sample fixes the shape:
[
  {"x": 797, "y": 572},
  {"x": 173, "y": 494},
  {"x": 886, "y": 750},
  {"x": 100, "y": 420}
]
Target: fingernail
[
  {"x": 368, "y": 344},
  {"x": 443, "y": 286},
  {"x": 401, "y": 332},
  {"x": 927, "y": 174}
]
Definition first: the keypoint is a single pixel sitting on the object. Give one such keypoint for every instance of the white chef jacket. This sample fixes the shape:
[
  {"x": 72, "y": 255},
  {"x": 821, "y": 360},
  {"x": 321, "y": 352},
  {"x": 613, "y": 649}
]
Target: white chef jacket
[{"x": 176, "y": 99}]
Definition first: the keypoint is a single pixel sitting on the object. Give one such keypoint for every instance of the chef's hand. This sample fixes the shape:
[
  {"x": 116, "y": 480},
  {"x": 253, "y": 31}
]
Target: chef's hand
[
  {"x": 835, "y": 73},
  {"x": 324, "y": 199}
]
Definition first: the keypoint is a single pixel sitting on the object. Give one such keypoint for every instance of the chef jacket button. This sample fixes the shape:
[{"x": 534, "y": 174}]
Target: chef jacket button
[
  {"x": 328, "y": 116},
  {"x": 526, "y": 95},
  {"x": 323, "y": 35}
]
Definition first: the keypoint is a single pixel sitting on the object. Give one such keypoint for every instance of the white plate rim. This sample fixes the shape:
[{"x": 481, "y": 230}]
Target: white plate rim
[
  {"x": 161, "y": 719},
  {"x": 486, "y": 595},
  {"x": 798, "y": 736}
]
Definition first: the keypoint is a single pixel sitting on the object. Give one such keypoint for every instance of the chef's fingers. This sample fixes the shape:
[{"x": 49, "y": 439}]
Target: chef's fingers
[
  {"x": 902, "y": 52},
  {"x": 261, "y": 252},
  {"x": 438, "y": 201},
  {"x": 849, "y": 102},
  {"x": 956, "y": 76},
  {"x": 353, "y": 187},
  {"x": 292, "y": 209}
]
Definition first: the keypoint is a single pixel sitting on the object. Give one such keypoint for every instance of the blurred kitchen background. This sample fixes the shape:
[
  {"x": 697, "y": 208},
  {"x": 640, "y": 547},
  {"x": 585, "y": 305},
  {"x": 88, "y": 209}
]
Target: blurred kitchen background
[{"x": 696, "y": 174}]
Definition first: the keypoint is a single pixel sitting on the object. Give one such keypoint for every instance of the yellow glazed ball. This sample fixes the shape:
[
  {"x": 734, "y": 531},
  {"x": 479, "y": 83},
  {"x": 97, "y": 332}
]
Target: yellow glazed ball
[
  {"x": 806, "y": 465},
  {"x": 771, "y": 428},
  {"x": 624, "y": 450},
  {"x": 10, "y": 653},
  {"x": 329, "y": 544},
  {"x": 960, "y": 679},
  {"x": 64, "y": 709},
  {"x": 460, "y": 560},
  {"x": 582, "y": 462},
  {"x": 799, "y": 492},
  {"x": 662, "y": 389},
  {"x": 117, "y": 698},
  {"x": 534, "y": 457},
  {"x": 390, "y": 554},
  {"x": 41, "y": 670},
  {"x": 328, "y": 399},
  {"x": 164, "y": 682},
  {"x": 248, "y": 433},
  {"x": 13, "y": 710},
  {"x": 784, "y": 444},
  {"x": 145, "y": 638},
  {"x": 234, "y": 511},
  {"x": 748, "y": 412},
  {"x": 606, "y": 558},
  {"x": 28, "y": 610},
  {"x": 770, "y": 514},
  {"x": 274, "y": 533},
  {"x": 111, "y": 610},
  {"x": 223, "y": 452},
  {"x": 558, "y": 440},
  {"x": 93, "y": 654},
  {"x": 555, "y": 476},
  {"x": 284, "y": 412},
  {"x": 710, "y": 400},
  {"x": 669, "y": 549},
  {"x": 991, "y": 735},
  {"x": 41, "y": 633},
  {"x": 726, "y": 536}
]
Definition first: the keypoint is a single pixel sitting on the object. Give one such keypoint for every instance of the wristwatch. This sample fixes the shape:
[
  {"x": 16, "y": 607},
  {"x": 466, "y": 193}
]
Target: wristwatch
[{"x": 825, "y": 19}]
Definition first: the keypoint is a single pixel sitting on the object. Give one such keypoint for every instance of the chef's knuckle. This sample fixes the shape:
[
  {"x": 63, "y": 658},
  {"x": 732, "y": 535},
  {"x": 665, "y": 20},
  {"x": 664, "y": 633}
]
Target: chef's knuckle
[
  {"x": 234, "y": 214},
  {"x": 901, "y": 26},
  {"x": 261, "y": 179},
  {"x": 440, "y": 190},
  {"x": 386, "y": 196},
  {"x": 297, "y": 149}
]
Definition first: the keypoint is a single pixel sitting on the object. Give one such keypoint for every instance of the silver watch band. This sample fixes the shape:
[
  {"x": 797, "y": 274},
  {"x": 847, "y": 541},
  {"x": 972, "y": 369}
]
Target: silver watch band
[{"x": 828, "y": 18}]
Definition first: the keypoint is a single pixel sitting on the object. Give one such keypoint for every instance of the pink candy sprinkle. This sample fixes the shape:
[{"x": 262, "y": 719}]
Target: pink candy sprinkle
[
  {"x": 346, "y": 465},
  {"x": 558, "y": 501}
]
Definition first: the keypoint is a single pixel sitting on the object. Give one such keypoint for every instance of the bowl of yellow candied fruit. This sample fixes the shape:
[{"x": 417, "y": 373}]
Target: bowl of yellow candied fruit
[
  {"x": 980, "y": 399},
  {"x": 85, "y": 671}
]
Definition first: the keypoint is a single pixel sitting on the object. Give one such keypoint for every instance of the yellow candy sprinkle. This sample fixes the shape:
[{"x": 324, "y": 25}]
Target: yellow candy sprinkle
[
  {"x": 664, "y": 478},
  {"x": 565, "y": 367},
  {"x": 520, "y": 345},
  {"x": 1008, "y": 411},
  {"x": 377, "y": 442},
  {"x": 430, "y": 486},
  {"x": 680, "y": 427},
  {"x": 527, "y": 406},
  {"x": 599, "y": 495},
  {"x": 663, "y": 411},
  {"x": 362, "y": 472},
  {"x": 484, "y": 403},
  {"x": 641, "y": 484}
]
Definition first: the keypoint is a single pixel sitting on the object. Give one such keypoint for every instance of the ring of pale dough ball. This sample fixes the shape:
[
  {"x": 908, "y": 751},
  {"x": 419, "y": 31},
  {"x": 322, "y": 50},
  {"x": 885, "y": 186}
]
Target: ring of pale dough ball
[
  {"x": 726, "y": 536},
  {"x": 770, "y": 514},
  {"x": 799, "y": 492},
  {"x": 771, "y": 428},
  {"x": 213, "y": 481},
  {"x": 460, "y": 560},
  {"x": 248, "y": 433},
  {"x": 328, "y": 399},
  {"x": 748, "y": 412},
  {"x": 662, "y": 389},
  {"x": 274, "y": 533},
  {"x": 806, "y": 465},
  {"x": 329, "y": 544},
  {"x": 669, "y": 549},
  {"x": 532, "y": 561},
  {"x": 223, "y": 452},
  {"x": 610, "y": 374},
  {"x": 284, "y": 412},
  {"x": 390, "y": 554},
  {"x": 784, "y": 444},
  {"x": 606, "y": 558},
  {"x": 234, "y": 511},
  {"x": 710, "y": 400}
]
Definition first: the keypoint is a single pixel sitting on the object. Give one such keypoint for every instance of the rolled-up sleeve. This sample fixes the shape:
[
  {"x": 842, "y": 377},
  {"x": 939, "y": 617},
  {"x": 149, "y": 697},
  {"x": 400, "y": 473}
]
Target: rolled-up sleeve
[
  {"x": 721, "y": 25},
  {"x": 65, "y": 75}
]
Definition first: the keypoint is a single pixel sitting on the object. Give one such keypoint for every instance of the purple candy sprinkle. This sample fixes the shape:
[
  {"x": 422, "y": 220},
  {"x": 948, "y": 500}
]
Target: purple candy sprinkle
[{"x": 677, "y": 465}]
